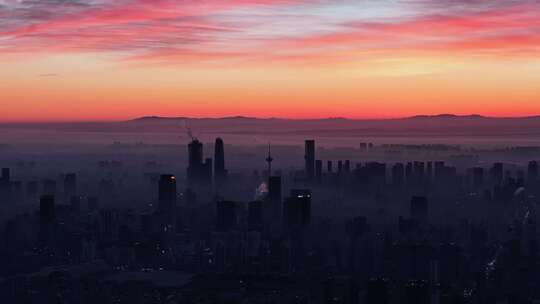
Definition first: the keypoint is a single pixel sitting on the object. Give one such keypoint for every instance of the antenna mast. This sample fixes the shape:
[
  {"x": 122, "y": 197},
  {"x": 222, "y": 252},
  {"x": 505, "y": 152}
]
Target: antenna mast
[{"x": 269, "y": 160}]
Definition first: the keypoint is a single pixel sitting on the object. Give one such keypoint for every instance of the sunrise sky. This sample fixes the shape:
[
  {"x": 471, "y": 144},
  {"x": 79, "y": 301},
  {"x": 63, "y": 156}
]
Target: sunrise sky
[{"x": 65, "y": 60}]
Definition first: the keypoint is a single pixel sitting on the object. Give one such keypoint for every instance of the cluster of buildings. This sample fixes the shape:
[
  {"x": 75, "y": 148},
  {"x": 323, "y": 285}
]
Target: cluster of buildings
[{"x": 419, "y": 232}]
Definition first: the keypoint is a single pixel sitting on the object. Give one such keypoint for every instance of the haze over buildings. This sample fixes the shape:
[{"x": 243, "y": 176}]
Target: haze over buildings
[{"x": 269, "y": 152}]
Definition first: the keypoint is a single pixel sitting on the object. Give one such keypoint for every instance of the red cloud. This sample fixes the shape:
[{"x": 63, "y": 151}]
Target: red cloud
[
  {"x": 509, "y": 29},
  {"x": 166, "y": 31}
]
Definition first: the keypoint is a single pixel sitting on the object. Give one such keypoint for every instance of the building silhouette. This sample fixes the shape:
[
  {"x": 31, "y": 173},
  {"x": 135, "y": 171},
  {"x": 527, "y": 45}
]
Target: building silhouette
[
  {"x": 310, "y": 159},
  {"x": 532, "y": 172},
  {"x": 70, "y": 185},
  {"x": 6, "y": 175},
  {"x": 5, "y": 186},
  {"x": 318, "y": 170},
  {"x": 49, "y": 187},
  {"x": 274, "y": 197},
  {"x": 255, "y": 215},
  {"x": 47, "y": 207},
  {"x": 297, "y": 209},
  {"x": 167, "y": 194},
  {"x": 398, "y": 174},
  {"x": 198, "y": 171},
  {"x": 478, "y": 177},
  {"x": 220, "y": 173},
  {"x": 226, "y": 216}
]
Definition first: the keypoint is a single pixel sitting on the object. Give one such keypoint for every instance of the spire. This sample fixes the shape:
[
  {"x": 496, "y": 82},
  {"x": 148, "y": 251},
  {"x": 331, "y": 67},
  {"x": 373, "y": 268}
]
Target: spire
[{"x": 269, "y": 160}]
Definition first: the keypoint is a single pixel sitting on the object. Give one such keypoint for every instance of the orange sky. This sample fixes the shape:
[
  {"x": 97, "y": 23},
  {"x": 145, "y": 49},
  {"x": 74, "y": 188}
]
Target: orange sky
[{"x": 113, "y": 60}]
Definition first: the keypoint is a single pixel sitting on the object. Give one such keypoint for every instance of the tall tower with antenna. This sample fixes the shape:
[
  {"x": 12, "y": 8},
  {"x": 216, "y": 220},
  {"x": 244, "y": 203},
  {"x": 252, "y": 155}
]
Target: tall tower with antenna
[
  {"x": 274, "y": 190},
  {"x": 269, "y": 160}
]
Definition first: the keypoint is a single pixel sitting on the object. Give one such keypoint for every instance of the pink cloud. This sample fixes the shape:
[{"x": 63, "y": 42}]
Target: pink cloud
[
  {"x": 511, "y": 28},
  {"x": 188, "y": 31}
]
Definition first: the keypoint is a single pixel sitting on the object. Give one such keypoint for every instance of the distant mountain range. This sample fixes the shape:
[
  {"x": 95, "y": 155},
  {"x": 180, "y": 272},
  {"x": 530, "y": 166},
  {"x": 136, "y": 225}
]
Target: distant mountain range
[
  {"x": 416, "y": 117},
  {"x": 431, "y": 127}
]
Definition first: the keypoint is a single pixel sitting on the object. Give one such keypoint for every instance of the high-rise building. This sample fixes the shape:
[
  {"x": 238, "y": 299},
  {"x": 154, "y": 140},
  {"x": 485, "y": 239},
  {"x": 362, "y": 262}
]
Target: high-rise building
[
  {"x": 195, "y": 160},
  {"x": 198, "y": 171},
  {"x": 6, "y": 175},
  {"x": 92, "y": 203},
  {"x": 418, "y": 171},
  {"x": 310, "y": 159},
  {"x": 439, "y": 168},
  {"x": 227, "y": 218},
  {"x": 347, "y": 166},
  {"x": 5, "y": 186},
  {"x": 429, "y": 170},
  {"x": 167, "y": 194},
  {"x": 478, "y": 177},
  {"x": 70, "y": 185},
  {"x": 220, "y": 172},
  {"x": 32, "y": 188},
  {"x": 297, "y": 209},
  {"x": 497, "y": 173},
  {"x": 47, "y": 207},
  {"x": 409, "y": 176},
  {"x": 195, "y": 152},
  {"x": 329, "y": 166},
  {"x": 318, "y": 170},
  {"x": 49, "y": 187},
  {"x": 255, "y": 214},
  {"x": 274, "y": 197},
  {"x": 75, "y": 204},
  {"x": 532, "y": 172},
  {"x": 376, "y": 173},
  {"x": 398, "y": 174}
]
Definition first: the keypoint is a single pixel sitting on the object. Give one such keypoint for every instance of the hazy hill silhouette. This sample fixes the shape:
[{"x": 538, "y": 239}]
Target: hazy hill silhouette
[{"x": 432, "y": 128}]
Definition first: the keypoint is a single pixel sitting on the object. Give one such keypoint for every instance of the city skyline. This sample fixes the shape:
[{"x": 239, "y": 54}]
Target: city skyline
[
  {"x": 270, "y": 151},
  {"x": 104, "y": 60}
]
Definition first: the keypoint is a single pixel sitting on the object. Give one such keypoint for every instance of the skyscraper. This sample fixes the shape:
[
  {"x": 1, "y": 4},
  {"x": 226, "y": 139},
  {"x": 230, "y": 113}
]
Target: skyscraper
[
  {"x": 409, "y": 173},
  {"x": 5, "y": 186},
  {"x": 167, "y": 194},
  {"x": 418, "y": 172},
  {"x": 226, "y": 215},
  {"x": 195, "y": 158},
  {"x": 198, "y": 171},
  {"x": 318, "y": 170},
  {"x": 297, "y": 209},
  {"x": 398, "y": 174},
  {"x": 47, "y": 207},
  {"x": 478, "y": 177},
  {"x": 6, "y": 175},
  {"x": 310, "y": 159},
  {"x": 347, "y": 166},
  {"x": 219, "y": 161},
  {"x": 70, "y": 185},
  {"x": 255, "y": 214},
  {"x": 49, "y": 187},
  {"x": 274, "y": 197},
  {"x": 532, "y": 172}
]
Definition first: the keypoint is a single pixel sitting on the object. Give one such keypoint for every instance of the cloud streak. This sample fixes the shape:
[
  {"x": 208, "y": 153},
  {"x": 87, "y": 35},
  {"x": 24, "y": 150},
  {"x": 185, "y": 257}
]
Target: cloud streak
[{"x": 166, "y": 31}]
